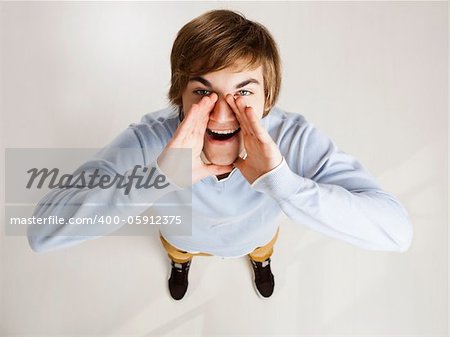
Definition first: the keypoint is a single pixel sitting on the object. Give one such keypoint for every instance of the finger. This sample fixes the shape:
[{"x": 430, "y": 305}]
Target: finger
[
  {"x": 205, "y": 106},
  {"x": 203, "y": 111},
  {"x": 242, "y": 122},
  {"x": 198, "y": 115},
  {"x": 253, "y": 121},
  {"x": 255, "y": 124},
  {"x": 198, "y": 110},
  {"x": 240, "y": 102},
  {"x": 241, "y": 125}
]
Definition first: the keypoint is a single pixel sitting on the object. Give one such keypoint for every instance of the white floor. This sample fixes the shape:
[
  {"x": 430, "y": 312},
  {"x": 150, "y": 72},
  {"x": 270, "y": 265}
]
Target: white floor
[
  {"x": 74, "y": 75},
  {"x": 117, "y": 286}
]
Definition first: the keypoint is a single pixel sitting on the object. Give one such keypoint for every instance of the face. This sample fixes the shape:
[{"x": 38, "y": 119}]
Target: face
[{"x": 247, "y": 84}]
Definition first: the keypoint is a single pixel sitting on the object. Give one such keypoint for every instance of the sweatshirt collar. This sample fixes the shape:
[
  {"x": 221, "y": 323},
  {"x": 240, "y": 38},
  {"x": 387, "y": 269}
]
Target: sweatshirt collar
[{"x": 205, "y": 160}]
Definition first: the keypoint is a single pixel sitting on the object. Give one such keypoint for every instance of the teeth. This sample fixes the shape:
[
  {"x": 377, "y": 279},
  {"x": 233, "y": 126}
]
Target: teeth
[{"x": 224, "y": 132}]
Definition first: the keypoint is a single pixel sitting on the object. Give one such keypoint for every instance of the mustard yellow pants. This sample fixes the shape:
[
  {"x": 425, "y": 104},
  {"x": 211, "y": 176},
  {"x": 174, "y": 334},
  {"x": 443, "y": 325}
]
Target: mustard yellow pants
[{"x": 260, "y": 254}]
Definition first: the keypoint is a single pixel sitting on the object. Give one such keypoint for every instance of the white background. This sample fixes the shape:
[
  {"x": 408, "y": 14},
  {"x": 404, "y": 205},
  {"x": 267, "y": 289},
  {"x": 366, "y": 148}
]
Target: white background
[{"x": 373, "y": 76}]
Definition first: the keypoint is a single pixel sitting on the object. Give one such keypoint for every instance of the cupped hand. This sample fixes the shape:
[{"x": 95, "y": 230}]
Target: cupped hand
[
  {"x": 190, "y": 135},
  {"x": 263, "y": 154}
]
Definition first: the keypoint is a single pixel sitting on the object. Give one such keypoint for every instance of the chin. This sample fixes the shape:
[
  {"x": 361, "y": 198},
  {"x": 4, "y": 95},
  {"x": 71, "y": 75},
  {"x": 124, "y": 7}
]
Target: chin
[{"x": 223, "y": 161}]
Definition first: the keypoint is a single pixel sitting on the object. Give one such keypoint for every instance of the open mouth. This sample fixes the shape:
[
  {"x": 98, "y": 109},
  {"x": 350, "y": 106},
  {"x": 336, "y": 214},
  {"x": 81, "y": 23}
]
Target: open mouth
[{"x": 223, "y": 135}]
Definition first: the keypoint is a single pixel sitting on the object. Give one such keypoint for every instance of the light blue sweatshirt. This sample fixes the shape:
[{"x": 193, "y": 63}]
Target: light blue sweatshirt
[{"x": 317, "y": 185}]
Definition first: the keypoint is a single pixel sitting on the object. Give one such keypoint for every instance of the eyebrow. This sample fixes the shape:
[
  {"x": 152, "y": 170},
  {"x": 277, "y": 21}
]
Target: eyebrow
[{"x": 208, "y": 84}]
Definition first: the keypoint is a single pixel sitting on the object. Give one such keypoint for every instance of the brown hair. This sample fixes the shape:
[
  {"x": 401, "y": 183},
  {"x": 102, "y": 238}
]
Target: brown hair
[{"x": 216, "y": 40}]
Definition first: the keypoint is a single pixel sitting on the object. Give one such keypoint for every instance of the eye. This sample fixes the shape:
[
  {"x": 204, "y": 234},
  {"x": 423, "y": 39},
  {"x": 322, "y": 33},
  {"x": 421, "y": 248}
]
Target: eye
[
  {"x": 202, "y": 92},
  {"x": 246, "y": 92}
]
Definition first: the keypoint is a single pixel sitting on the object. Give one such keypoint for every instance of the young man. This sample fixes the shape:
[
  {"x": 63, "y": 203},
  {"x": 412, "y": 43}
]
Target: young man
[{"x": 249, "y": 161}]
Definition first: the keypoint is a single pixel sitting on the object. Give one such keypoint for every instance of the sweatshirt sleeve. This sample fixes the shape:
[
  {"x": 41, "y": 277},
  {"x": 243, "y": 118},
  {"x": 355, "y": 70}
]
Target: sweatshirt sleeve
[
  {"x": 331, "y": 192},
  {"x": 123, "y": 156}
]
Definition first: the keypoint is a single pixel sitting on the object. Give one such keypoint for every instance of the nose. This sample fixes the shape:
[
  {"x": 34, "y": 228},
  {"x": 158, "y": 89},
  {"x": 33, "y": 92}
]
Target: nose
[{"x": 222, "y": 114}]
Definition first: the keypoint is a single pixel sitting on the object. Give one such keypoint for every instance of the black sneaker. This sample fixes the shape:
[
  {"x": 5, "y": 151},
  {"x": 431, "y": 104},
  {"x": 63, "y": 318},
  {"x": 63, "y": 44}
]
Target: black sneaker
[
  {"x": 178, "y": 281},
  {"x": 264, "y": 281}
]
